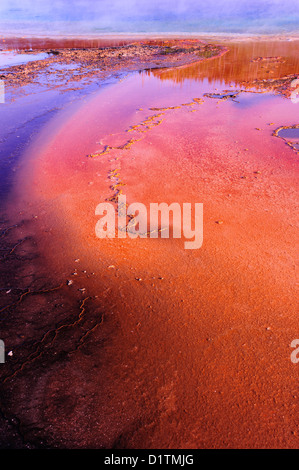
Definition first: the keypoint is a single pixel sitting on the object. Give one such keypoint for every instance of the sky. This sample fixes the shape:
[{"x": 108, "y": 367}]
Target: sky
[{"x": 152, "y": 15}]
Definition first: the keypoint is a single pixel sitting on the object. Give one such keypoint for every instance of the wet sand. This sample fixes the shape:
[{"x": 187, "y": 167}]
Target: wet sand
[{"x": 151, "y": 345}]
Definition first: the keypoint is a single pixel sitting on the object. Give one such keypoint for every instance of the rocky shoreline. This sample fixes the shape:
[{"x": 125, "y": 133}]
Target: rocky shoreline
[{"x": 76, "y": 64}]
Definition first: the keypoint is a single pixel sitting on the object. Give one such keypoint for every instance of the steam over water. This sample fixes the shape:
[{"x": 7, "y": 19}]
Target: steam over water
[{"x": 148, "y": 16}]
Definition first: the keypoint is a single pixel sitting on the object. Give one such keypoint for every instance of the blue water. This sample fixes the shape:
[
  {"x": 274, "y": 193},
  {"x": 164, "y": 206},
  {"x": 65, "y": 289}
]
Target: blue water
[
  {"x": 77, "y": 17},
  {"x": 8, "y": 59}
]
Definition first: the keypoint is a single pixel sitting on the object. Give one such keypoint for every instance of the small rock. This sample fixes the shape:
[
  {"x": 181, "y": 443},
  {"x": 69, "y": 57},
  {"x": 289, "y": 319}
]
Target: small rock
[
  {"x": 70, "y": 282},
  {"x": 10, "y": 353}
]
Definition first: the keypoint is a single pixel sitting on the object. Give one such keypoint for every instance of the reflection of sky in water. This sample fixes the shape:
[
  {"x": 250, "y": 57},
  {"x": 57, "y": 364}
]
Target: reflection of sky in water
[
  {"x": 89, "y": 16},
  {"x": 249, "y": 100},
  {"x": 8, "y": 59},
  {"x": 290, "y": 134},
  {"x": 63, "y": 67}
]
